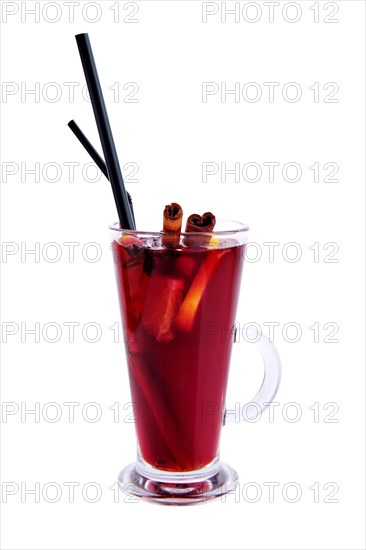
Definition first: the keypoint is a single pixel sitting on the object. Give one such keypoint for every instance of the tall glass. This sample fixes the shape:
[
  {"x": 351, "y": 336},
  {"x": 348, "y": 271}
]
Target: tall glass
[{"x": 178, "y": 307}]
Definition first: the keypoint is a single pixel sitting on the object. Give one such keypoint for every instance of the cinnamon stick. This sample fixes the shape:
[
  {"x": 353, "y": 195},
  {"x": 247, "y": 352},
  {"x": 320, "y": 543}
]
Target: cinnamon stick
[
  {"x": 199, "y": 224},
  {"x": 161, "y": 413},
  {"x": 172, "y": 226}
]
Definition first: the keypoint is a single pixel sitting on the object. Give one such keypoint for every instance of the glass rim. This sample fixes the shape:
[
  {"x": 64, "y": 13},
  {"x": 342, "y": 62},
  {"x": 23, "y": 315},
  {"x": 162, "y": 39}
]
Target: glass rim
[{"x": 242, "y": 228}]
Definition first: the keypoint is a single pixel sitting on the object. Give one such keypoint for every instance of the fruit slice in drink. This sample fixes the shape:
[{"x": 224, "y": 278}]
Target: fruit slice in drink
[
  {"x": 130, "y": 257},
  {"x": 162, "y": 304},
  {"x": 187, "y": 312}
]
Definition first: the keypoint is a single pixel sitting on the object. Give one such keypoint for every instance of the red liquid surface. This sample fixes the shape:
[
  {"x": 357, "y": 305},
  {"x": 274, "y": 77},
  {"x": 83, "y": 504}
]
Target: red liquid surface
[{"x": 178, "y": 345}]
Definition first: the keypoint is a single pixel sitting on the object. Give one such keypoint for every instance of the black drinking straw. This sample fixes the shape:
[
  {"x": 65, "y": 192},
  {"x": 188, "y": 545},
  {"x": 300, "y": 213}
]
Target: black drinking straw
[
  {"x": 95, "y": 156},
  {"x": 105, "y": 132},
  {"x": 89, "y": 147}
]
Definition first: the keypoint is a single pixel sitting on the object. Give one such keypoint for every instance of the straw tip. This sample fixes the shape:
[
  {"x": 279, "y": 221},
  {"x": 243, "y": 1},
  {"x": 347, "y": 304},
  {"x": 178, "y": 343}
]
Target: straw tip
[{"x": 81, "y": 36}]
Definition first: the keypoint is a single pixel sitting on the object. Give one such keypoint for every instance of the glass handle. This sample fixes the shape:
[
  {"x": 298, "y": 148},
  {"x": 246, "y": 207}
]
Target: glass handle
[{"x": 271, "y": 381}]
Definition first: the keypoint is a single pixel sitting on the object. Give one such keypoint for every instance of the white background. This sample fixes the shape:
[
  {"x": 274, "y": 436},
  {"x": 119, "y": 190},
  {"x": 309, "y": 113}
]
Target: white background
[{"x": 169, "y": 132}]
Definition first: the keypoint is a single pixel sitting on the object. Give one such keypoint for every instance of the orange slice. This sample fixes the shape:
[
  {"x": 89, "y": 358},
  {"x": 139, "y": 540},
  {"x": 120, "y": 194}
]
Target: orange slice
[
  {"x": 187, "y": 311},
  {"x": 128, "y": 240}
]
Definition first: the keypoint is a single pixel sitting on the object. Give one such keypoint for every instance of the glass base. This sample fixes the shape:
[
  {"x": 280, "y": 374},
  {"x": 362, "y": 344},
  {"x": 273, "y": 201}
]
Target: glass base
[{"x": 169, "y": 488}]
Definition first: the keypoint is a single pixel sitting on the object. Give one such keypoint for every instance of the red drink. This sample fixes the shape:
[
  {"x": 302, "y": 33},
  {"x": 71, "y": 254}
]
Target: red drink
[{"x": 178, "y": 310}]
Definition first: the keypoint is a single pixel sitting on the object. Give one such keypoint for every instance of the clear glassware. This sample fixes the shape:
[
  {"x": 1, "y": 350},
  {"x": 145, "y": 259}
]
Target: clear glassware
[{"x": 178, "y": 307}]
